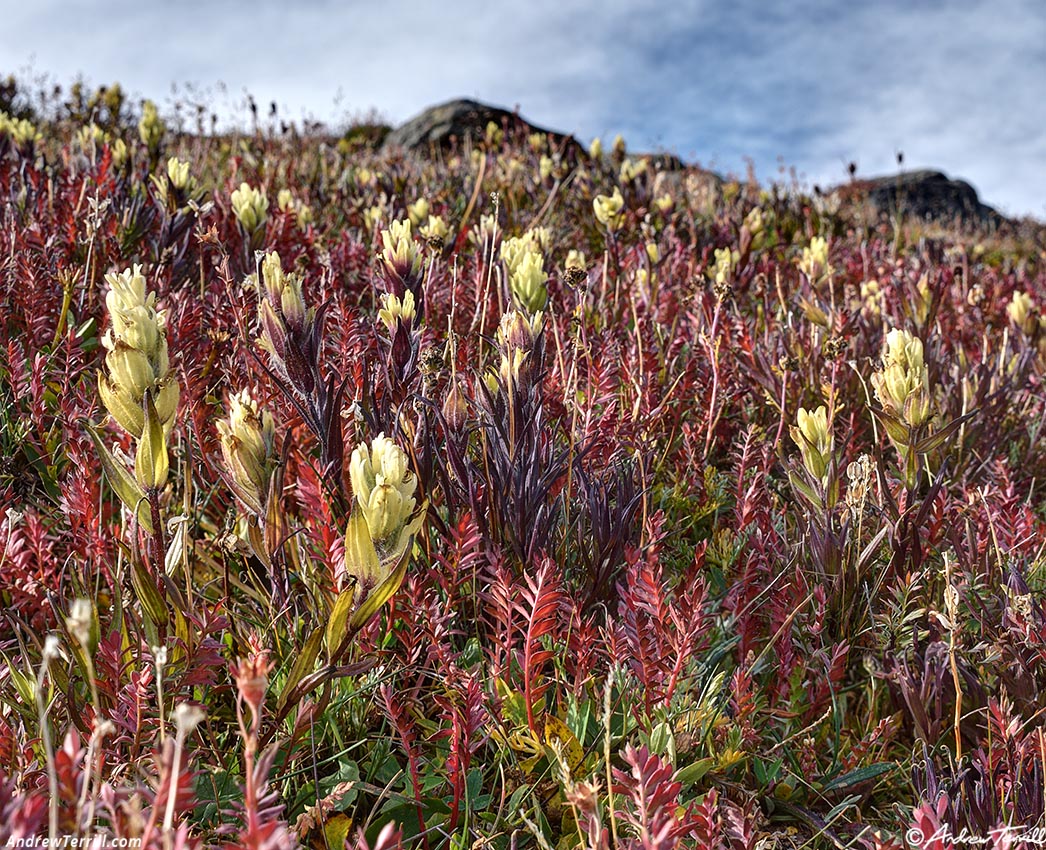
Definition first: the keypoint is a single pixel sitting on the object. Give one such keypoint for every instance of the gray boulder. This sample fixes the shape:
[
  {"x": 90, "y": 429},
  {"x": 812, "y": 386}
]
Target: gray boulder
[
  {"x": 925, "y": 194},
  {"x": 443, "y": 125}
]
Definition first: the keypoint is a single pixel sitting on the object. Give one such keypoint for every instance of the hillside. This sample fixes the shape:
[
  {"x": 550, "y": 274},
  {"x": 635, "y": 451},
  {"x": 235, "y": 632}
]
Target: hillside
[{"x": 500, "y": 491}]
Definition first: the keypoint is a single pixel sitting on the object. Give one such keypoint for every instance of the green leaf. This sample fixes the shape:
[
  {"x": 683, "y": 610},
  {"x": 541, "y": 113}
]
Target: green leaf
[
  {"x": 122, "y": 482},
  {"x": 662, "y": 741},
  {"x": 857, "y": 776},
  {"x": 338, "y": 622},
  {"x": 361, "y": 558},
  {"x": 937, "y": 439},
  {"x": 150, "y": 461},
  {"x": 302, "y": 664},
  {"x": 694, "y": 772},
  {"x": 382, "y": 593},
  {"x": 803, "y": 488},
  {"x": 148, "y": 594}
]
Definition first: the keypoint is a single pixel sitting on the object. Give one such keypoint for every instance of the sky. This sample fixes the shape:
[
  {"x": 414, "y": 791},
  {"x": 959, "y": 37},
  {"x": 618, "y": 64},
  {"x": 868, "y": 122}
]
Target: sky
[{"x": 810, "y": 85}]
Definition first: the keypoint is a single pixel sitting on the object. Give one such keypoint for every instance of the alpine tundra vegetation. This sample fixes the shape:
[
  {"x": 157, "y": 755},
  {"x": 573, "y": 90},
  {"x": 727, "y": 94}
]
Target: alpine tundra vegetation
[{"x": 507, "y": 494}]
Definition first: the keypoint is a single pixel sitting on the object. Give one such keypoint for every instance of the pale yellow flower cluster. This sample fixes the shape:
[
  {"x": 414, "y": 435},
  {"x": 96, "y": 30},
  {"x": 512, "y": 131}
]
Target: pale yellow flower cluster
[
  {"x": 136, "y": 361},
  {"x": 400, "y": 251},
  {"x": 250, "y": 206},
  {"x": 609, "y": 210},
  {"x": 384, "y": 489},
  {"x": 903, "y": 385},
  {"x": 247, "y": 437},
  {"x": 21, "y": 131},
  {"x": 815, "y": 440},
  {"x": 395, "y": 311},
  {"x": 525, "y": 265}
]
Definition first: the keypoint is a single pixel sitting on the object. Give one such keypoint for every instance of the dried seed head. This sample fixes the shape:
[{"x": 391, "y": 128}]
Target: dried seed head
[
  {"x": 576, "y": 276},
  {"x": 722, "y": 289},
  {"x": 834, "y": 346}
]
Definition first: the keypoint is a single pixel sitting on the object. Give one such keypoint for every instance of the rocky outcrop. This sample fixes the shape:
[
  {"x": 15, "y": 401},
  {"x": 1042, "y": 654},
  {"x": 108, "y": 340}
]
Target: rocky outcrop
[
  {"x": 925, "y": 194},
  {"x": 452, "y": 122}
]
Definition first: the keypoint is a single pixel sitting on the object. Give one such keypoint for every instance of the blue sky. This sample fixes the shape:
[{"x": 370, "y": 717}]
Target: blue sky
[{"x": 959, "y": 86}]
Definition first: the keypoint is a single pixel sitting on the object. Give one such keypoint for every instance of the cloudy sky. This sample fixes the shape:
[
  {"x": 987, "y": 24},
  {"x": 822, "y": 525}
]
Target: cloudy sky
[{"x": 809, "y": 84}]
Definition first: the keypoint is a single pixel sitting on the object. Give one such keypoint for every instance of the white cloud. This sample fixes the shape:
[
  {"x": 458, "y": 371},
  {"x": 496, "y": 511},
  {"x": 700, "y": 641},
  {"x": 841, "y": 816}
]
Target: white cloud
[{"x": 954, "y": 85}]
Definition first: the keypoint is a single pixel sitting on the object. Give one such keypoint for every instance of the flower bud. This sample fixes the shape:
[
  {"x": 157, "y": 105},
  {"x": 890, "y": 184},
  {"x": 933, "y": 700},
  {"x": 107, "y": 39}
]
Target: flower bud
[
  {"x": 418, "y": 211},
  {"x": 665, "y": 203},
  {"x": 401, "y": 257},
  {"x": 814, "y": 262},
  {"x": 250, "y": 206},
  {"x": 631, "y": 169},
  {"x": 514, "y": 249},
  {"x": 394, "y": 312},
  {"x": 1021, "y": 311},
  {"x": 137, "y": 362},
  {"x": 814, "y": 440},
  {"x": 903, "y": 385},
  {"x": 372, "y": 217},
  {"x": 384, "y": 488},
  {"x": 247, "y": 438},
  {"x": 178, "y": 173},
  {"x": 755, "y": 221},
  {"x": 485, "y": 232},
  {"x": 435, "y": 232},
  {"x": 519, "y": 331},
  {"x": 517, "y": 338},
  {"x": 91, "y": 137},
  {"x": 608, "y": 210},
  {"x": 527, "y": 282},
  {"x": 83, "y": 625},
  {"x": 494, "y": 134},
  {"x": 151, "y": 128},
  {"x": 119, "y": 153},
  {"x": 251, "y": 675},
  {"x": 575, "y": 259},
  {"x": 21, "y": 131},
  {"x": 289, "y": 331},
  {"x": 455, "y": 408},
  {"x": 726, "y": 262}
]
